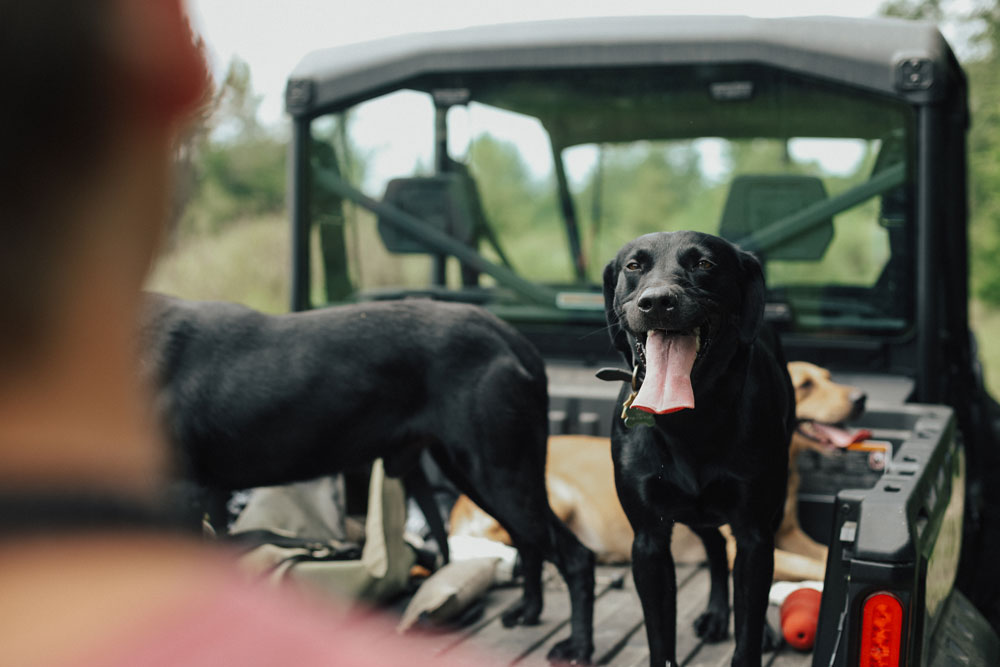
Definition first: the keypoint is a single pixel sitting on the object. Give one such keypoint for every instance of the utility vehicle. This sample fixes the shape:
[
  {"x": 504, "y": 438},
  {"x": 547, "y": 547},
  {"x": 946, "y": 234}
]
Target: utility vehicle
[{"x": 504, "y": 165}]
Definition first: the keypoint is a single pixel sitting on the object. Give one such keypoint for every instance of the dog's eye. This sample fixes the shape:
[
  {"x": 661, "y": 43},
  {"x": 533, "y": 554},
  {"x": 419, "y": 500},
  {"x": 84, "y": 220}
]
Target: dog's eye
[
  {"x": 633, "y": 266},
  {"x": 705, "y": 264}
]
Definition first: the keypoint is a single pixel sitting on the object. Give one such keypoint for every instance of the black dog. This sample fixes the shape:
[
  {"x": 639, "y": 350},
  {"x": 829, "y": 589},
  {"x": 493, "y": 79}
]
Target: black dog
[
  {"x": 251, "y": 400},
  {"x": 706, "y": 439}
]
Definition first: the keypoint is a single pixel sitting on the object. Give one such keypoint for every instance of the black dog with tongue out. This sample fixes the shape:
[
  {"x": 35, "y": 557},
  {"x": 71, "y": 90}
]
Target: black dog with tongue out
[{"x": 703, "y": 436}]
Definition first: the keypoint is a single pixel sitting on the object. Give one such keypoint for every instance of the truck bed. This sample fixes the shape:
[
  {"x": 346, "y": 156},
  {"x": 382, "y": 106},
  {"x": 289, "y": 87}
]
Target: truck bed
[{"x": 619, "y": 635}]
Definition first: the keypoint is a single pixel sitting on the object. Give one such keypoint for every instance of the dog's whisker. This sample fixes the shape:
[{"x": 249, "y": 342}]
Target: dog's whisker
[{"x": 597, "y": 331}]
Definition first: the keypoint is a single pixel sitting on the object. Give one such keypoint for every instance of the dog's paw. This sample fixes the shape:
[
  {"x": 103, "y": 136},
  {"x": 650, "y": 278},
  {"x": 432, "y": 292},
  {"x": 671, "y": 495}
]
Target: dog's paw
[
  {"x": 522, "y": 613},
  {"x": 712, "y": 626},
  {"x": 771, "y": 640},
  {"x": 571, "y": 652}
]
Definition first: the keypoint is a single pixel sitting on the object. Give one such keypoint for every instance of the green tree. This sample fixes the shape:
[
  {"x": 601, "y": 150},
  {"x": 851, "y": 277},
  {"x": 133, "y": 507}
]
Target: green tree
[
  {"x": 982, "y": 65},
  {"x": 513, "y": 198},
  {"x": 921, "y": 10},
  {"x": 237, "y": 165},
  {"x": 984, "y": 155},
  {"x": 637, "y": 188},
  {"x": 237, "y": 105},
  {"x": 230, "y": 240},
  {"x": 521, "y": 208},
  {"x": 648, "y": 182}
]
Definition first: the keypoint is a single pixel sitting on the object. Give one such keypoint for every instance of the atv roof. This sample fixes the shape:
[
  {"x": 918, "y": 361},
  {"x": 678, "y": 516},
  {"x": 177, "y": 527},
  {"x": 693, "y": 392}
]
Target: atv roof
[{"x": 877, "y": 54}]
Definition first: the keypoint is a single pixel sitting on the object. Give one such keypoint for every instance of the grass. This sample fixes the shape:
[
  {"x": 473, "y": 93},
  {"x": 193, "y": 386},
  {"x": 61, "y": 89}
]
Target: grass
[
  {"x": 985, "y": 322},
  {"x": 247, "y": 262}
]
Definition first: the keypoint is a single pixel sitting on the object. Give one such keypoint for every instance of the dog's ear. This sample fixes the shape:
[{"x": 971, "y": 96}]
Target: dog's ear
[
  {"x": 754, "y": 298},
  {"x": 618, "y": 336}
]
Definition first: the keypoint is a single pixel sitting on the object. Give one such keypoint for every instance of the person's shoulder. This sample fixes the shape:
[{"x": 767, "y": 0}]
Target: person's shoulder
[{"x": 236, "y": 621}]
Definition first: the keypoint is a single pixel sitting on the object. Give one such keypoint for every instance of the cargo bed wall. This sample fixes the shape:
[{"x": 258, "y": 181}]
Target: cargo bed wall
[{"x": 901, "y": 536}]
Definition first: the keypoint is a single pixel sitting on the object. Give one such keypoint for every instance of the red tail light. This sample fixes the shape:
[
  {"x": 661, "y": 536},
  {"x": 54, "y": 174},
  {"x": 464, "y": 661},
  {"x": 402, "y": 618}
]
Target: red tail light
[{"x": 881, "y": 631}]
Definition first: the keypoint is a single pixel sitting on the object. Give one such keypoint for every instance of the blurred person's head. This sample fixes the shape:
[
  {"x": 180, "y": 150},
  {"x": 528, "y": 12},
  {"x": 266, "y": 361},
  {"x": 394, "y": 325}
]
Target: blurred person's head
[{"x": 94, "y": 93}]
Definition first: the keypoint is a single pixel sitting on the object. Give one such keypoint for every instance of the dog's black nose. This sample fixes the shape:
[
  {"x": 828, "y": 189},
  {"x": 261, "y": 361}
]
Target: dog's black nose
[
  {"x": 658, "y": 297},
  {"x": 858, "y": 399}
]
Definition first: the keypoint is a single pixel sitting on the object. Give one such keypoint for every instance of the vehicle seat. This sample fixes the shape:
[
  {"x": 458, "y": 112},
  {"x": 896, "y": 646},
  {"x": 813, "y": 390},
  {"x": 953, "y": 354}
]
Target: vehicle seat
[
  {"x": 756, "y": 201},
  {"x": 448, "y": 202}
]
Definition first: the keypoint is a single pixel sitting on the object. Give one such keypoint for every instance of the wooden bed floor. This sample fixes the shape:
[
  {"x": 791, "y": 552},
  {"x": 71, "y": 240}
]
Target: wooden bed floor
[{"x": 619, "y": 634}]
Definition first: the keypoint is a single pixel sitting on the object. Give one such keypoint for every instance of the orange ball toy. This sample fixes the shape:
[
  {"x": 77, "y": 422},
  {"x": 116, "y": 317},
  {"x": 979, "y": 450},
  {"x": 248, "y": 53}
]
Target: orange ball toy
[{"x": 799, "y": 617}]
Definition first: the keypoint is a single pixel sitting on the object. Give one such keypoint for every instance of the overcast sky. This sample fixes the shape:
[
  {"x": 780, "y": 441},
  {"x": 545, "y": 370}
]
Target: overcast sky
[{"x": 273, "y": 36}]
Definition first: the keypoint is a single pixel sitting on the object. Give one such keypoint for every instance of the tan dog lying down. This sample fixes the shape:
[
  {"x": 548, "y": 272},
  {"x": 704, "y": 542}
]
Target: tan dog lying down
[{"x": 581, "y": 486}]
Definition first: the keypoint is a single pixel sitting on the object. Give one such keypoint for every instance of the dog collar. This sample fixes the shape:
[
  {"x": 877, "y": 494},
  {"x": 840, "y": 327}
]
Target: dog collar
[
  {"x": 631, "y": 416},
  {"x": 614, "y": 375}
]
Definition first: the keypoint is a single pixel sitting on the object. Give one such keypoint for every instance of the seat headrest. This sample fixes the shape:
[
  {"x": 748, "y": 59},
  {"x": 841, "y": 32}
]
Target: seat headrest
[
  {"x": 759, "y": 200},
  {"x": 441, "y": 202}
]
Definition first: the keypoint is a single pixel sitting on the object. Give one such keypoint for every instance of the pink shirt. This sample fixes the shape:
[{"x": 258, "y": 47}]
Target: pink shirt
[{"x": 245, "y": 625}]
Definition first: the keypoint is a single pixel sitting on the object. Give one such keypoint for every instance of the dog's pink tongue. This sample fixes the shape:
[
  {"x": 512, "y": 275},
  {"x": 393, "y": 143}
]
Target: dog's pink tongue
[
  {"x": 839, "y": 437},
  {"x": 667, "y": 386}
]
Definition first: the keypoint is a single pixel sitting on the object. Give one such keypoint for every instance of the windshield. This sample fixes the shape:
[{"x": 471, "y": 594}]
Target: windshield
[{"x": 514, "y": 189}]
